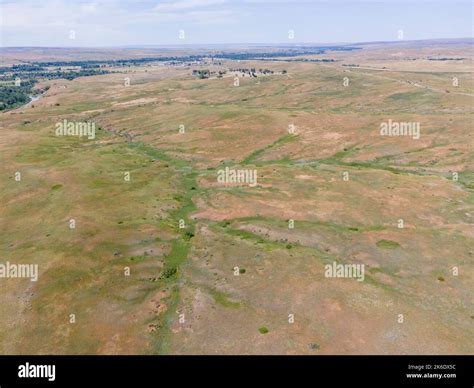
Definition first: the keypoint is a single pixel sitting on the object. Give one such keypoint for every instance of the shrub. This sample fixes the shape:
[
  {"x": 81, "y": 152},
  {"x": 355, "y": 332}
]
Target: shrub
[
  {"x": 387, "y": 244},
  {"x": 168, "y": 272}
]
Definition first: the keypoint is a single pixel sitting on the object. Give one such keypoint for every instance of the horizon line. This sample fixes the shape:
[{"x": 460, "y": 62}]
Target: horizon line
[{"x": 178, "y": 45}]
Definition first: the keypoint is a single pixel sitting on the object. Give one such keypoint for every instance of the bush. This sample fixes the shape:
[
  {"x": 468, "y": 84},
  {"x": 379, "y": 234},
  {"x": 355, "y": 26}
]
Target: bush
[
  {"x": 387, "y": 244},
  {"x": 168, "y": 272},
  {"x": 188, "y": 235}
]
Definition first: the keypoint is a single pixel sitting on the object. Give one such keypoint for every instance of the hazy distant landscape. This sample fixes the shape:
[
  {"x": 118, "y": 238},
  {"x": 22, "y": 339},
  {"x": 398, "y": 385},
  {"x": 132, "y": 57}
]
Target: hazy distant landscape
[{"x": 238, "y": 199}]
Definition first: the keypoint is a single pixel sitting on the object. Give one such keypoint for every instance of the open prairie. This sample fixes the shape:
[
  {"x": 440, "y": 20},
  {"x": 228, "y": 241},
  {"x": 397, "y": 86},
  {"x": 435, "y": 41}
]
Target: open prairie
[{"x": 142, "y": 248}]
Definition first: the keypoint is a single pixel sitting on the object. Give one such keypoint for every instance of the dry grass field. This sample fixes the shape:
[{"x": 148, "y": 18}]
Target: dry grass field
[{"x": 216, "y": 268}]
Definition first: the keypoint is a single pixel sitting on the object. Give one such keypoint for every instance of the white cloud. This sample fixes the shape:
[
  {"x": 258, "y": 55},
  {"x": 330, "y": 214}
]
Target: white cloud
[
  {"x": 180, "y": 5},
  {"x": 108, "y": 21},
  {"x": 89, "y": 8},
  {"x": 29, "y": 15}
]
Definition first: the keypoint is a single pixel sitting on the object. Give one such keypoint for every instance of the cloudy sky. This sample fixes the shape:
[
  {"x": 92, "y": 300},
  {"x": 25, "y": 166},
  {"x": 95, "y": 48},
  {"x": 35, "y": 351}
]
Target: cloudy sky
[{"x": 158, "y": 22}]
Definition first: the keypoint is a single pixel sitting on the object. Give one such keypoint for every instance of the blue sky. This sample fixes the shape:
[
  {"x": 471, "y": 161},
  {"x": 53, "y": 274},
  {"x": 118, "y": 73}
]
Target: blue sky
[{"x": 146, "y": 22}]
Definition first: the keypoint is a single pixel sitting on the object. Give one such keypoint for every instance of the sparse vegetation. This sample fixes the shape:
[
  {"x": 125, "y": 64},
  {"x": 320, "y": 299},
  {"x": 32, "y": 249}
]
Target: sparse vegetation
[
  {"x": 387, "y": 244},
  {"x": 169, "y": 272},
  {"x": 134, "y": 226}
]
